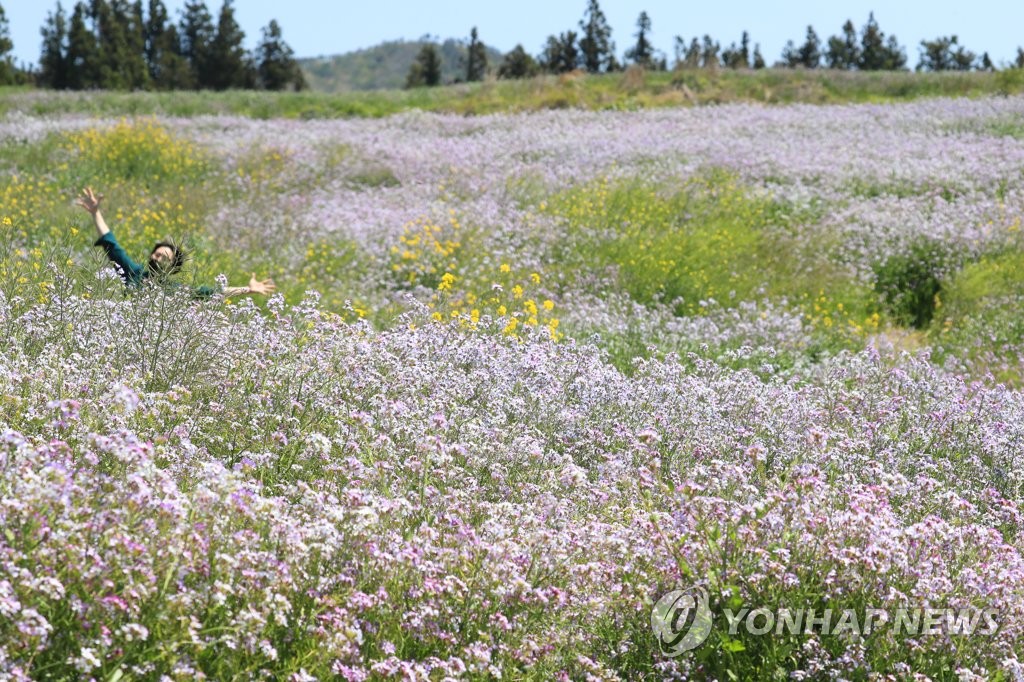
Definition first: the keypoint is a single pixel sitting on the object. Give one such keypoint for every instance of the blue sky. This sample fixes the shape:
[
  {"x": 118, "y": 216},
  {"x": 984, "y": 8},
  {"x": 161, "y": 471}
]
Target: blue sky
[{"x": 325, "y": 27}]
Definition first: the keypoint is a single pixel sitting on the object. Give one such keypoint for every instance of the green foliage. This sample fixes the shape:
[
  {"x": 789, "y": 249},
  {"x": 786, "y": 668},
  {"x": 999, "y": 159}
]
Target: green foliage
[
  {"x": 807, "y": 55},
  {"x": 426, "y": 69},
  {"x": 276, "y": 63},
  {"x": 642, "y": 53},
  {"x": 52, "y": 64},
  {"x": 1011, "y": 81},
  {"x": 945, "y": 54},
  {"x": 732, "y": 57},
  {"x": 910, "y": 282},
  {"x": 561, "y": 53},
  {"x": 196, "y": 34},
  {"x": 8, "y": 73},
  {"x": 476, "y": 58},
  {"x": 979, "y": 319},
  {"x": 228, "y": 66},
  {"x": 710, "y": 239},
  {"x": 843, "y": 52},
  {"x": 683, "y": 87},
  {"x": 596, "y": 45},
  {"x": 82, "y": 62},
  {"x": 877, "y": 53},
  {"x": 518, "y": 64},
  {"x": 115, "y": 45}
]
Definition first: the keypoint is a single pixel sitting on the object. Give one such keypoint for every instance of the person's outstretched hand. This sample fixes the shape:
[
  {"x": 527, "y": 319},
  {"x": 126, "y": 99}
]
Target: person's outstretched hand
[
  {"x": 264, "y": 287},
  {"x": 90, "y": 201}
]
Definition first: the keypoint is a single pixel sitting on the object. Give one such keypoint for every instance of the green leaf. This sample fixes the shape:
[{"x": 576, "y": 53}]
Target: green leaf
[{"x": 733, "y": 646}]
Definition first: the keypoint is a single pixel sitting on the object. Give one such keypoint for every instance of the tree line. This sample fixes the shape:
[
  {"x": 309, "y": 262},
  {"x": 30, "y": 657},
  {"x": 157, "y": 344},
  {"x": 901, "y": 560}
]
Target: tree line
[
  {"x": 116, "y": 45},
  {"x": 591, "y": 49}
]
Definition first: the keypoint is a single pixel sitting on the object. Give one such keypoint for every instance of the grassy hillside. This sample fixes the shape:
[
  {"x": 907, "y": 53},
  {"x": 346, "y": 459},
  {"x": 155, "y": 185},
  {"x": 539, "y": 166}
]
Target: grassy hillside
[
  {"x": 630, "y": 90},
  {"x": 384, "y": 66}
]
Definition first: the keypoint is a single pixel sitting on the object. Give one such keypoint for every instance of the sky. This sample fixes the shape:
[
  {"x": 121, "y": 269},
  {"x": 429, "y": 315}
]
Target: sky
[{"x": 328, "y": 27}]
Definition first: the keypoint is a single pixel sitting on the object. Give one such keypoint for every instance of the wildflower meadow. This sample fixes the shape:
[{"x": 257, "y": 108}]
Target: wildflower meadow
[{"x": 525, "y": 374}]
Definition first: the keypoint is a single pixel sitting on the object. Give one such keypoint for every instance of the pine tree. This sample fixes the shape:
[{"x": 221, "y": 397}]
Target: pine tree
[
  {"x": 642, "y": 53},
  {"x": 1019, "y": 63},
  {"x": 895, "y": 56},
  {"x": 196, "y": 34},
  {"x": 877, "y": 53},
  {"x": 732, "y": 57},
  {"x": 476, "y": 58},
  {"x": 872, "y": 57},
  {"x": 227, "y": 66},
  {"x": 52, "y": 64},
  {"x": 692, "y": 59},
  {"x": 134, "y": 66},
  {"x": 709, "y": 53},
  {"x": 83, "y": 52},
  {"x": 518, "y": 64},
  {"x": 758, "y": 61},
  {"x": 810, "y": 52},
  {"x": 790, "y": 55},
  {"x": 8, "y": 72},
  {"x": 426, "y": 70},
  {"x": 843, "y": 52},
  {"x": 679, "y": 48},
  {"x": 596, "y": 46},
  {"x": 561, "y": 53},
  {"x": 120, "y": 59},
  {"x": 738, "y": 57},
  {"x": 276, "y": 63},
  {"x": 168, "y": 68}
]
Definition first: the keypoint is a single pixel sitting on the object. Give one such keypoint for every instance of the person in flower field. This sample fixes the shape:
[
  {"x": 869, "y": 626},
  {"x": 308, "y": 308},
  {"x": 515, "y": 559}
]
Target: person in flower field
[{"x": 165, "y": 259}]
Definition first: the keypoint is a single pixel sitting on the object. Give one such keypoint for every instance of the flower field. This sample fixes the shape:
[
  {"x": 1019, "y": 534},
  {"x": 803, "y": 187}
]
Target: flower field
[{"x": 525, "y": 374}]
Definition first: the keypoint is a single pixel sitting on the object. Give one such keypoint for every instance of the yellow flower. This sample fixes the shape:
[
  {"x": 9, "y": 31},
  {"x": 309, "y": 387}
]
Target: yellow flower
[
  {"x": 517, "y": 291},
  {"x": 447, "y": 279},
  {"x": 548, "y": 304},
  {"x": 505, "y": 268},
  {"x": 535, "y": 278},
  {"x": 502, "y": 310}
]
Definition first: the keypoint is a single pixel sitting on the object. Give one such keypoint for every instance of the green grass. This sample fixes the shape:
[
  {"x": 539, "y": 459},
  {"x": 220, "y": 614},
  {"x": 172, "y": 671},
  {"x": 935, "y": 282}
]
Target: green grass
[
  {"x": 629, "y": 90},
  {"x": 711, "y": 239},
  {"x": 713, "y": 243},
  {"x": 978, "y": 317}
]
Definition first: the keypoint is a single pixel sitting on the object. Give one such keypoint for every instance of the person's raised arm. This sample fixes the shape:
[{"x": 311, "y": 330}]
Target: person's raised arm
[
  {"x": 132, "y": 272},
  {"x": 91, "y": 203},
  {"x": 263, "y": 287}
]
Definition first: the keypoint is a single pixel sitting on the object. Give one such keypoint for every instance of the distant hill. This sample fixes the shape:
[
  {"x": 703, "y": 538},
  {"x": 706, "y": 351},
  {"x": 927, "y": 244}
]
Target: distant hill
[{"x": 386, "y": 65}]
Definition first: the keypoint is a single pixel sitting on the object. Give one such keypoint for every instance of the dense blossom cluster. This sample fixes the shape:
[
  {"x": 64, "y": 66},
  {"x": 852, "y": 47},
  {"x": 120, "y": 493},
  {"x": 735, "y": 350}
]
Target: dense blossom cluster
[
  {"x": 200, "y": 490},
  {"x": 435, "y": 501}
]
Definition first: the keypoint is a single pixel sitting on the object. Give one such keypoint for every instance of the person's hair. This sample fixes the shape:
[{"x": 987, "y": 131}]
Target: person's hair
[{"x": 177, "y": 260}]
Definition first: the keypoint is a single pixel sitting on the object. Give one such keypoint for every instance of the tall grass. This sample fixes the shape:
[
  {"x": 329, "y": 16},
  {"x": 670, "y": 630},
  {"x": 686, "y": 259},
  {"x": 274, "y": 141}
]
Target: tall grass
[{"x": 631, "y": 90}]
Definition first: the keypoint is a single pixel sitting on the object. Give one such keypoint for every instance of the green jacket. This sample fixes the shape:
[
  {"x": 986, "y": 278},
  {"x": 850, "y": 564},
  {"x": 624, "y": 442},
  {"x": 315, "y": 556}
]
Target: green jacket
[{"x": 133, "y": 273}]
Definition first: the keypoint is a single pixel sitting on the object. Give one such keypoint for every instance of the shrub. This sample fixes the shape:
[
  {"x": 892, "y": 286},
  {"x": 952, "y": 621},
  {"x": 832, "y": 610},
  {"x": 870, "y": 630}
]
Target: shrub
[{"x": 908, "y": 282}]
